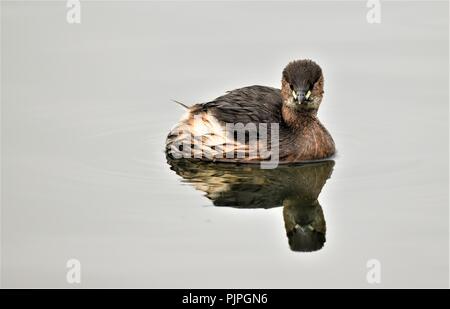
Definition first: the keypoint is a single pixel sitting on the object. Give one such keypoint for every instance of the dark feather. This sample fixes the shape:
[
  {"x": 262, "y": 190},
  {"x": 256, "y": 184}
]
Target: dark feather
[{"x": 257, "y": 104}]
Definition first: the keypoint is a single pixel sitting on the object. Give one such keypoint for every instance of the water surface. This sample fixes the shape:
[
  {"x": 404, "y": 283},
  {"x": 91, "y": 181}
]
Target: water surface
[{"x": 85, "y": 112}]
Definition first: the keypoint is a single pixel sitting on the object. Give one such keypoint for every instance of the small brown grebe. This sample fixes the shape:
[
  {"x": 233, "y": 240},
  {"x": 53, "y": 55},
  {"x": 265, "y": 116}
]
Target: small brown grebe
[{"x": 301, "y": 136}]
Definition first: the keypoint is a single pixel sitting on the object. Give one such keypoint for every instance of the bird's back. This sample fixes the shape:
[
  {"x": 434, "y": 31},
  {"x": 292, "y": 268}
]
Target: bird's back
[
  {"x": 256, "y": 104},
  {"x": 204, "y": 125}
]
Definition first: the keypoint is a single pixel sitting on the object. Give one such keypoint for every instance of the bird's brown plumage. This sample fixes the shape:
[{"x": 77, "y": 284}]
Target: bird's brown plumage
[{"x": 302, "y": 137}]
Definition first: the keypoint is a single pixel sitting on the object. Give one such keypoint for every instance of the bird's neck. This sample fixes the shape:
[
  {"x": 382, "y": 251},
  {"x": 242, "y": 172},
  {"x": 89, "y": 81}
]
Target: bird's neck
[{"x": 298, "y": 118}]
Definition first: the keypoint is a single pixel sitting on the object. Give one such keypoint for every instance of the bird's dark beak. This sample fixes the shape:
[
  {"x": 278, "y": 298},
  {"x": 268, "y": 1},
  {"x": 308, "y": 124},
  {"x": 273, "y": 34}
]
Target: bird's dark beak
[{"x": 301, "y": 96}]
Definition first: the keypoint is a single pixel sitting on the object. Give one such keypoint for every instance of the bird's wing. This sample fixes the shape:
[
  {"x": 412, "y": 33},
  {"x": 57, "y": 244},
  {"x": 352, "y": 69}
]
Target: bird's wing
[{"x": 257, "y": 104}]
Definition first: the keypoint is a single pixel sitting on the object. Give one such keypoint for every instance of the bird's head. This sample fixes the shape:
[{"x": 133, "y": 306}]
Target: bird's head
[{"x": 302, "y": 85}]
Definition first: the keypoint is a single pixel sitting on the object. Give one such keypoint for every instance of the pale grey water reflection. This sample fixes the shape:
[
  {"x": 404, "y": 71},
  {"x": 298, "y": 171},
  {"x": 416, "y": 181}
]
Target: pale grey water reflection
[
  {"x": 295, "y": 187},
  {"x": 86, "y": 109}
]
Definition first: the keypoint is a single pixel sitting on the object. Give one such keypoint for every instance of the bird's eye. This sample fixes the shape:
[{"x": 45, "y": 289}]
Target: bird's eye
[
  {"x": 308, "y": 94},
  {"x": 292, "y": 87}
]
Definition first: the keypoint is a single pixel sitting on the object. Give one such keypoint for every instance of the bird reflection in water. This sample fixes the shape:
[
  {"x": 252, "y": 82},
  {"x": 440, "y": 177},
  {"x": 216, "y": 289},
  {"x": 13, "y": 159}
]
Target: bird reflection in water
[{"x": 295, "y": 187}]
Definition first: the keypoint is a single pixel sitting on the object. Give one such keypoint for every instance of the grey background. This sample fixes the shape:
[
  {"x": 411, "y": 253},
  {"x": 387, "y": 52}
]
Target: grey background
[{"x": 85, "y": 111}]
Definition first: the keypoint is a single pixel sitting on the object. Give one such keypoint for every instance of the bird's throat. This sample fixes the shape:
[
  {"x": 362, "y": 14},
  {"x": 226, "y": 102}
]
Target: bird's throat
[{"x": 297, "y": 116}]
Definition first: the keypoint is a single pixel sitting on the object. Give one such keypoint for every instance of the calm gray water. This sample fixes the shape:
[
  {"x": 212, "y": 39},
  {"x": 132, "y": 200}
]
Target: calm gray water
[{"x": 86, "y": 108}]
